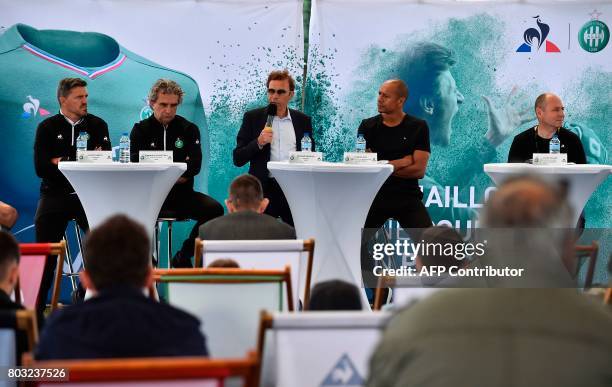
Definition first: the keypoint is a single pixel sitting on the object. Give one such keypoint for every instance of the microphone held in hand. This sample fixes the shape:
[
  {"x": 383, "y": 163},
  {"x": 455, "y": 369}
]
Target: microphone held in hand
[{"x": 271, "y": 113}]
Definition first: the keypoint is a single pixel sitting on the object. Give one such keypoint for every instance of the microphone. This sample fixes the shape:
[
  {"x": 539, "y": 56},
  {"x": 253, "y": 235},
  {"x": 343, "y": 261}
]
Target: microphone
[{"x": 271, "y": 114}]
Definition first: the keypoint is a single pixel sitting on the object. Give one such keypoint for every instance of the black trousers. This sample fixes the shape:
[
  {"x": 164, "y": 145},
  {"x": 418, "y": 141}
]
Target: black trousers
[
  {"x": 278, "y": 206},
  {"x": 405, "y": 207},
  {"x": 185, "y": 203},
  {"x": 53, "y": 213}
]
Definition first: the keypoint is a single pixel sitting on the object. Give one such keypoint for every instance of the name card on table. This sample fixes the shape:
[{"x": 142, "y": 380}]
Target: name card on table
[
  {"x": 549, "y": 158},
  {"x": 305, "y": 157},
  {"x": 155, "y": 156},
  {"x": 360, "y": 158},
  {"x": 95, "y": 157}
]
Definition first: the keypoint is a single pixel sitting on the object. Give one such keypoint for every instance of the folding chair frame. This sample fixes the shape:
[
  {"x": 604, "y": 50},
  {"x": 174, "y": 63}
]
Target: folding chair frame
[
  {"x": 308, "y": 246},
  {"x": 222, "y": 275},
  {"x": 47, "y": 249}
]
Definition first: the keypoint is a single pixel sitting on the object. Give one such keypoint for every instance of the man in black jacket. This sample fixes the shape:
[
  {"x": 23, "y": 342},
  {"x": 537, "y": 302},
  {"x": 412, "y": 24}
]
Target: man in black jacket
[
  {"x": 258, "y": 145},
  {"x": 167, "y": 131},
  {"x": 119, "y": 320},
  {"x": 56, "y": 140},
  {"x": 550, "y": 112}
]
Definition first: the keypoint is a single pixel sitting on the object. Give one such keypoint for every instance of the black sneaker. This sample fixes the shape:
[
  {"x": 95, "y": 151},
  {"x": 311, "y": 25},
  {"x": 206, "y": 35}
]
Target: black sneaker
[{"x": 178, "y": 261}]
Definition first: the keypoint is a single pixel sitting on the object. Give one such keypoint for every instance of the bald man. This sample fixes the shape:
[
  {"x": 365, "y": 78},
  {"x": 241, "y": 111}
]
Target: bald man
[
  {"x": 403, "y": 140},
  {"x": 550, "y": 113}
]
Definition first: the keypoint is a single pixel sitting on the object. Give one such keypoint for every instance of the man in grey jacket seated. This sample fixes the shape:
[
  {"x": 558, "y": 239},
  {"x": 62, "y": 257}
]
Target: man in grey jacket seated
[{"x": 246, "y": 219}]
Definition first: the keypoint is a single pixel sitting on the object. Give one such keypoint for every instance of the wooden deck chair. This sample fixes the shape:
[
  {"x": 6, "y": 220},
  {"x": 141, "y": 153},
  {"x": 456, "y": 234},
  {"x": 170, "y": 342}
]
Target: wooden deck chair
[
  {"x": 589, "y": 252},
  {"x": 318, "y": 348},
  {"x": 168, "y": 371},
  {"x": 31, "y": 269},
  {"x": 227, "y": 302},
  {"x": 383, "y": 292},
  {"x": 264, "y": 254},
  {"x": 12, "y": 322}
]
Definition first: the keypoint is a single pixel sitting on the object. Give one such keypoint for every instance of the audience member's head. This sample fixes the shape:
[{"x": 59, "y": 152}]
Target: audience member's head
[
  {"x": 118, "y": 254},
  {"x": 9, "y": 262},
  {"x": 438, "y": 241},
  {"x": 528, "y": 225},
  {"x": 246, "y": 193},
  {"x": 334, "y": 295},
  {"x": 527, "y": 201},
  {"x": 226, "y": 263}
]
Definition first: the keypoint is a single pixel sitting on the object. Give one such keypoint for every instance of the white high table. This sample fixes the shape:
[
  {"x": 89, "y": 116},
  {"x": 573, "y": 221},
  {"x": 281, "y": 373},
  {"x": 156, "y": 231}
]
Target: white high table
[
  {"x": 330, "y": 202},
  {"x": 583, "y": 179},
  {"x": 134, "y": 189}
]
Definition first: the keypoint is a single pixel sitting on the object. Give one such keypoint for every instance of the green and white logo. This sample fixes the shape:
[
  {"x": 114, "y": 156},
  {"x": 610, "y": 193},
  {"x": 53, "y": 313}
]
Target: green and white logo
[
  {"x": 594, "y": 36},
  {"x": 178, "y": 143}
]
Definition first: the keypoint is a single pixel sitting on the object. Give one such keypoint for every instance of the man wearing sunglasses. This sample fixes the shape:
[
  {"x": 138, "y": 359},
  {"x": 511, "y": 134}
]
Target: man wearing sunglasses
[{"x": 258, "y": 144}]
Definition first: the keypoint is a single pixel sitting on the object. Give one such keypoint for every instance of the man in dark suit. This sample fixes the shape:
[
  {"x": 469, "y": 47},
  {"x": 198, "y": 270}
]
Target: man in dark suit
[
  {"x": 246, "y": 219},
  {"x": 119, "y": 320},
  {"x": 256, "y": 143}
]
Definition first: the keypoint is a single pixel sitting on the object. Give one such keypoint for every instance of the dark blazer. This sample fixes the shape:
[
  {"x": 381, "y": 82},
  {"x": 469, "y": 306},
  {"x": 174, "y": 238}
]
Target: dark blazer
[
  {"x": 246, "y": 225},
  {"x": 247, "y": 149},
  {"x": 6, "y": 303},
  {"x": 120, "y": 322}
]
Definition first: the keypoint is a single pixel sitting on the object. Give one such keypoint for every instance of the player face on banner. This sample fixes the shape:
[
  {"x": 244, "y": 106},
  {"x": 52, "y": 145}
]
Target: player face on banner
[
  {"x": 74, "y": 105},
  {"x": 164, "y": 108},
  {"x": 446, "y": 101}
]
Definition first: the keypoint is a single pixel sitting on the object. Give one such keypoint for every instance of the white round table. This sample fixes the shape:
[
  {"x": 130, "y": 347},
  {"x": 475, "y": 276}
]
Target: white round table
[
  {"x": 134, "y": 189},
  {"x": 582, "y": 179},
  {"x": 330, "y": 202}
]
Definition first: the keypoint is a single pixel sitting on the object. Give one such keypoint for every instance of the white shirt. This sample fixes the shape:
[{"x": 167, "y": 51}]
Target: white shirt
[{"x": 283, "y": 138}]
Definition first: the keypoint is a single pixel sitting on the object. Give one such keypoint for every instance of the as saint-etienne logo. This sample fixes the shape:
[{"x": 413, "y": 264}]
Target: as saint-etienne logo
[
  {"x": 594, "y": 34},
  {"x": 178, "y": 143}
]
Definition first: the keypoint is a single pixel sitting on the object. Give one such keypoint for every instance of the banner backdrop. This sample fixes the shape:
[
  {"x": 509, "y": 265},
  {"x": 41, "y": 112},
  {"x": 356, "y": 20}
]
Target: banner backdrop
[
  {"x": 220, "y": 52},
  {"x": 474, "y": 71}
]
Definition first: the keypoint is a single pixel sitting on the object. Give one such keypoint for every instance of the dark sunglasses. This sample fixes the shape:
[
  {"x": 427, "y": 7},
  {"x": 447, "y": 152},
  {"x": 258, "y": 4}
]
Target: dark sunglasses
[{"x": 279, "y": 91}]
